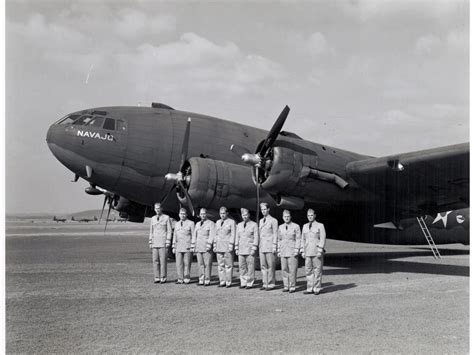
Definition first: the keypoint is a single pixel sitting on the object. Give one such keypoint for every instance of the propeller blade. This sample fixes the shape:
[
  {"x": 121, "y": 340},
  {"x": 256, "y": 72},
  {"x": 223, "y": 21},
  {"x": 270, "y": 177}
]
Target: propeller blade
[
  {"x": 184, "y": 150},
  {"x": 107, "y": 219},
  {"x": 258, "y": 193},
  {"x": 188, "y": 198},
  {"x": 103, "y": 206},
  {"x": 168, "y": 193},
  {"x": 238, "y": 150},
  {"x": 274, "y": 132}
]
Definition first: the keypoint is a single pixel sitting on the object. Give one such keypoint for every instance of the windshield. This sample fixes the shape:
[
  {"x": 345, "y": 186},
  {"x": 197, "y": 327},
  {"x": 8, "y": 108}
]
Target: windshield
[{"x": 68, "y": 119}]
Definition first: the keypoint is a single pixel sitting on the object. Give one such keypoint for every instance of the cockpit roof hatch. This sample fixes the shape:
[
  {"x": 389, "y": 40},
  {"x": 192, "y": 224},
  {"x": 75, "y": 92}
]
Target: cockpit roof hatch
[{"x": 160, "y": 105}]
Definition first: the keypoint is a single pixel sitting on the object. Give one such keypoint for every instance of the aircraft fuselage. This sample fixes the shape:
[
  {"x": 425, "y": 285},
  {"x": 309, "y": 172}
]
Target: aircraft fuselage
[{"x": 129, "y": 150}]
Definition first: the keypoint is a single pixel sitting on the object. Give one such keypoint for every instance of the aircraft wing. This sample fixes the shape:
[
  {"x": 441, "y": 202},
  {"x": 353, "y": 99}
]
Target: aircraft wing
[{"x": 416, "y": 183}]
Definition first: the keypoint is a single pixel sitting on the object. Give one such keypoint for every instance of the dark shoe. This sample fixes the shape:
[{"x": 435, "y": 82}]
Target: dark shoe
[
  {"x": 156, "y": 281},
  {"x": 307, "y": 292},
  {"x": 221, "y": 285},
  {"x": 200, "y": 284},
  {"x": 285, "y": 290},
  {"x": 208, "y": 284},
  {"x": 242, "y": 286},
  {"x": 248, "y": 287},
  {"x": 263, "y": 288}
]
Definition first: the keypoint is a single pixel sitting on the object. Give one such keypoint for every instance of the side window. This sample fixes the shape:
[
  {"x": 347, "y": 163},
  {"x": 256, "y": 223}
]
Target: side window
[
  {"x": 109, "y": 124},
  {"x": 96, "y": 121},
  {"x": 120, "y": 126}
]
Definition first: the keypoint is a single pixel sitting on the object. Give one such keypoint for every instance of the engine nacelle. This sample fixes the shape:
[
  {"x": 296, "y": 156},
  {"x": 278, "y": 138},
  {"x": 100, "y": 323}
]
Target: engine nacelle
[
  {"x": 215, "y": 183},
  {"x": 133, "y": 211},
  {"x": 288, "y": 170}
]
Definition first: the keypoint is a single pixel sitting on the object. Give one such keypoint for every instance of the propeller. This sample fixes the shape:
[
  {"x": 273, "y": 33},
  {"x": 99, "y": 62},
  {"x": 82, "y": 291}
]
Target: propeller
[
  {"x": 108, "y": 198},
  {"x": 274, "y": 132},
  {"x": 258, "y": 158},
  {"x": 103, "y": 206},
  {"x": 178, "y": 177},
  {"x": 108, "y": 214}
]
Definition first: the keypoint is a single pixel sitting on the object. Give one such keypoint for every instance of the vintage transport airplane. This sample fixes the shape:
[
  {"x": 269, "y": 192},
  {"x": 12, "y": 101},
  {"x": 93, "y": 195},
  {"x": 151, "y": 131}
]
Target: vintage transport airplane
[{"x": 136, "y": 156}]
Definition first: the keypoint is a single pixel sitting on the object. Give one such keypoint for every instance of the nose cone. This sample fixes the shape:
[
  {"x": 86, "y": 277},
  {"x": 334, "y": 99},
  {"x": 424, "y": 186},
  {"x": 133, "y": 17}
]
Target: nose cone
[
  {"x": 48, "y": 134},
  {"x": 52, "y": 139}
]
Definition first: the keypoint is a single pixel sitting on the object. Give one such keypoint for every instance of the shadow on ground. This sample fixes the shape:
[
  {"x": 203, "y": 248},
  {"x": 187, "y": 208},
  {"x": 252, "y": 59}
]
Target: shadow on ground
[
  {"x": 373, "y": 262},
  {"x": 388, "y": 262}
]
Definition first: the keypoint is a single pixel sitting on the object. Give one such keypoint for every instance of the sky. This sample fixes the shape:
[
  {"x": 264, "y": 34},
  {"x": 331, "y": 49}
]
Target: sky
[{"x": 374, "y": 77}]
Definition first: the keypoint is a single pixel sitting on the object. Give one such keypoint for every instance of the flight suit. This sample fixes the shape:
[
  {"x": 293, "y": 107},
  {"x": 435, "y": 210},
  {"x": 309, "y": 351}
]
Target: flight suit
[
  {"x": 313, "y": 240},
  {"x": 182, "y": 239},
  {"x": 224, "y": 247},
  {"x": 289, "y": 241},
  {"x": 246, "y": 241},
  {"x": 159, "y": 241},
  {"x": 267, "y": 247},
  {"x": 203, "y": 240}
]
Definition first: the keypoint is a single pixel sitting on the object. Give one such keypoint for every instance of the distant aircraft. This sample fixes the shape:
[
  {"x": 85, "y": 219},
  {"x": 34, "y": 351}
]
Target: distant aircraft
[
  {"x": 84, "y": 219},
  {"x": 136, "y": 156},
  {"x": 59, "y": 219}
]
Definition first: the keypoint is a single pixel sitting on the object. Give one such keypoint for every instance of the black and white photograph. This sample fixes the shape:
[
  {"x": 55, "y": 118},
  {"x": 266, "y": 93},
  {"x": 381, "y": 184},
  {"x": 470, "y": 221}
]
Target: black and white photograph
[{"x": 237, "y": 176}]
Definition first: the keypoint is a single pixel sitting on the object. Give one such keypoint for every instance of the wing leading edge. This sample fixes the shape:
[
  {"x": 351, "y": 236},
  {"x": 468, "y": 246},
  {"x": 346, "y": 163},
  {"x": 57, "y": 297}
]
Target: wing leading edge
[{"x": 416, "y": 183}]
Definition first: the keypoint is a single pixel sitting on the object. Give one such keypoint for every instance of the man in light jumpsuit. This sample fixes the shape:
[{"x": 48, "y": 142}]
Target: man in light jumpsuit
[
  {"x": 313, "y": 240},
  {"x": 203, "y": 240},
  {"x": 159, "y": 242},
  {"x": 224, "y": 247},
  {"x": 182, "y": 238},
  {"x": 289, "y": 240},
  {"x": 267, "y": 247},
  {"x": 246, "y": 245}
]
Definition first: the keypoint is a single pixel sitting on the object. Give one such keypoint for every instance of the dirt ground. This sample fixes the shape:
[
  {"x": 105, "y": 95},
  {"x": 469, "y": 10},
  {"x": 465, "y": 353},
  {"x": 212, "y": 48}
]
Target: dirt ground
[{"x": 70, "y": 288}]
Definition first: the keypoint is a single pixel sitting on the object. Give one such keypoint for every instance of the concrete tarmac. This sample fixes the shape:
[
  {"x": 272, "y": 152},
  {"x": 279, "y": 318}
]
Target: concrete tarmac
[{"x": 72, "y": 289}]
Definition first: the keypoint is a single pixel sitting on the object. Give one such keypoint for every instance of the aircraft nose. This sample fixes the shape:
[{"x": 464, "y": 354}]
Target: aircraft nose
[
  {"x": 51, "y": 140},
  {"x": 59, "y": 143},
  {"x": 48, "y": 134}
]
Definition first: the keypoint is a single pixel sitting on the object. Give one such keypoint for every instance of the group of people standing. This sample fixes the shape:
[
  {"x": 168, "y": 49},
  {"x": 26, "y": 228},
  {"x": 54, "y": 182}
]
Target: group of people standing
[{"x": 227, "y": 239}]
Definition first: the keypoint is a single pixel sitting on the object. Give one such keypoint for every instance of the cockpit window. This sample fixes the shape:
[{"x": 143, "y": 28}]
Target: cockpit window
[
  {"x": 109, "y": 124},
  {"x": 96, "y": 121},
  {"x": 68, "y": 119},
  {"x": 83, "y": 120},
  {"x": 120, "y": 125}
]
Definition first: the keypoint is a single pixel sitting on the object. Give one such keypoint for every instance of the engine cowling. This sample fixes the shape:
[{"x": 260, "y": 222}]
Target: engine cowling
[
  {"x": 214, "y": 183},
  {"x": 287, "y": 170},
  {"x": 134, "y": 212},
  {"x": 290, "y": 172}
]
